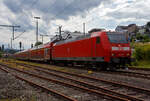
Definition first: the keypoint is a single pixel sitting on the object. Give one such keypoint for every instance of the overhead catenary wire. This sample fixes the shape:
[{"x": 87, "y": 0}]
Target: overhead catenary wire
[
  {"x": 24, "y": 13},
  {"x": 19, "y": 35}
]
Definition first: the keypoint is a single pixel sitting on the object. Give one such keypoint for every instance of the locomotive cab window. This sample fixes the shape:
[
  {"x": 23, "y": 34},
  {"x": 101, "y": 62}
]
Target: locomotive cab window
[
  {"x": 115, "y": 37},
  {"x": 97, "y": 40}
]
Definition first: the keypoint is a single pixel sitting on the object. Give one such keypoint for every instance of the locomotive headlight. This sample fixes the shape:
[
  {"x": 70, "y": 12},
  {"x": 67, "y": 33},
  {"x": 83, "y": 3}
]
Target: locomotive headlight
[
  {"x": 113, "y": 54},
  {"x": 115, "y": 48},
  {"x": 128, "y": 54},
  {"x": 126, "y": 48}
]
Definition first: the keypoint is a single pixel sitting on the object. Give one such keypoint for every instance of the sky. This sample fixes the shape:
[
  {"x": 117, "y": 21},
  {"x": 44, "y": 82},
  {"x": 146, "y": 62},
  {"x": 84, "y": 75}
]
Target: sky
[{"x": 70, "y": 14}]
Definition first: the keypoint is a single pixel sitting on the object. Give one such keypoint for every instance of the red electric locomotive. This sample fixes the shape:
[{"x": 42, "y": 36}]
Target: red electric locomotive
[
  {"x": 106, "y": 50},
  {"x": 102, "y": 49}
]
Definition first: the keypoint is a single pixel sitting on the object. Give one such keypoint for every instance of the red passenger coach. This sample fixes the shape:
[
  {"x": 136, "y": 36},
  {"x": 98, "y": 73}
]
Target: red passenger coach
[
  {"x": 40, "y": 53},
  {"x": 23, "y": 55},
  {"x": 98, "y": 48}
]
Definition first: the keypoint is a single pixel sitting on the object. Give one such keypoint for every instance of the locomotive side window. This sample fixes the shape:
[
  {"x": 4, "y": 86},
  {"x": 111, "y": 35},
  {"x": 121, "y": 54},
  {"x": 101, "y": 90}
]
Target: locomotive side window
[{"x": 97, "y": 40}]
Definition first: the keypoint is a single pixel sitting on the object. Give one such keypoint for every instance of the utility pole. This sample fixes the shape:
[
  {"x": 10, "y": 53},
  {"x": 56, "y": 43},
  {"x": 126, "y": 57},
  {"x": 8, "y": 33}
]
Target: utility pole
[
  {"x": 37, "y": 28},
  {"x": 60, "y": 27},
  {"x": 84, "y": 28},
  {"x": 11, "y": 43},
  {"x": 42, "y": 38},
  {"x": 13, "y": 31}
]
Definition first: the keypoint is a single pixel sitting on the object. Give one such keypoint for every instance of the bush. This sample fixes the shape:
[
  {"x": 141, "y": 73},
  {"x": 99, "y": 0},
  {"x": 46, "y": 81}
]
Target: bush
[
  {"x": 146, "y": 38},
  {"x": 142, "y": 52},
  {"x": 142, "y": 38},
  {"x": 0, "y": 54},
  {"x": 38, "y": 43}
]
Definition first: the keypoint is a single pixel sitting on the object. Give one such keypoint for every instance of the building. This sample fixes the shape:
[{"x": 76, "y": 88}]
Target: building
[{"x": 130, "y": 29}]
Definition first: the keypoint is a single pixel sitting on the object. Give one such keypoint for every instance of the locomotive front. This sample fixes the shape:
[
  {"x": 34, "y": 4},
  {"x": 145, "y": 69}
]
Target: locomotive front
[{"x": 120, "y": 48}]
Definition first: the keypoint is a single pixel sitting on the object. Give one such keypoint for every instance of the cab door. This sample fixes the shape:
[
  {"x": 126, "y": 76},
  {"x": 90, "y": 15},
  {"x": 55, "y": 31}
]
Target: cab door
[
  {"x": 46, "y": 53},
  {"x": 98, "y": 47},
  {"x": 95, "y": 46}
]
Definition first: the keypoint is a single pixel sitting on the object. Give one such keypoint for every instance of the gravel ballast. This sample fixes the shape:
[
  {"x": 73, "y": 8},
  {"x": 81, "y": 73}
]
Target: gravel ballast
[{"x": 12, "y": 88}]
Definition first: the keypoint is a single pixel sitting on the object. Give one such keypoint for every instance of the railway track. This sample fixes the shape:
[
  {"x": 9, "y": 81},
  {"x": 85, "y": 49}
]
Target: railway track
[
  {"x": 130, "y": 74},
  {"x": 113, "y": 88},
  {"x": 91, "y": 91},
  {"x": 42, "y": 87},
  {"x": 135, "y": 68}
]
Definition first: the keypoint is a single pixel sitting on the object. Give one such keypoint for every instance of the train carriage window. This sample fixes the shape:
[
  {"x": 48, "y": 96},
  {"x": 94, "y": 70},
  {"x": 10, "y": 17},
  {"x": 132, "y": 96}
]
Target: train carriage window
[{"x": 97, "y": 40}]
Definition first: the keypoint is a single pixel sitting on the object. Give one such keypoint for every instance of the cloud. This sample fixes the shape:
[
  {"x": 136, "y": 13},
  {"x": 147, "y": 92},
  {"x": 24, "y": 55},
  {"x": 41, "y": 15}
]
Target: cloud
[
  {"x": 132, "y": 11},
  {"x": 71, "y": 14},
  {"x": 56, "y": 9}
]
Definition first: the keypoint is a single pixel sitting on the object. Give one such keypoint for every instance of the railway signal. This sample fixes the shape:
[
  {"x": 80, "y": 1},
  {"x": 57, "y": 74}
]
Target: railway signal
[{"x": 20, "y": 45}]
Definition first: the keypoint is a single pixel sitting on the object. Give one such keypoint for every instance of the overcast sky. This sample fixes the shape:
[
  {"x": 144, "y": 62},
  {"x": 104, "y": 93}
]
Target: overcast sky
[{"x": 71, "y": 14}]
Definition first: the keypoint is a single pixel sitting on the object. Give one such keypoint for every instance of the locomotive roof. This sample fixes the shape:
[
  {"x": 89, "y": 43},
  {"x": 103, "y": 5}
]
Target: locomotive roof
[
  {"x": 74, "y": 38},
  {"x": 88, "y": 35}
]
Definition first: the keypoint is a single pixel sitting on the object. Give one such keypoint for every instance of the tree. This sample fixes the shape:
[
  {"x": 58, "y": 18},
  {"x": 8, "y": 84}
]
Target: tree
[
  {"x": 148, "y": 24},
  {"x": 0, "y": 54},
  {"x": 95, "y": 30},
  {"x": 146, "y": 38},
  {"x": 77, "y": 32},
  {"x": 38, "y": 43},
  {"x": 139, "y": 36}
]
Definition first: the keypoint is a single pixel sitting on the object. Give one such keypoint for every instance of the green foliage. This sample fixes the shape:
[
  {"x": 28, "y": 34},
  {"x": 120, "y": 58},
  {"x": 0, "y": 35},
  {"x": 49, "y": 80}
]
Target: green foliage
[
  {"x": 1, "y": 54},
  {"x": 146, "y": 38},
  {"x": 38, "y": 43},
  {"x": 139, "y": 36},
  {"x": 143, "y": 38},
  {"x": 148, "y": 24},
  {"x": 142, "y": 52}
]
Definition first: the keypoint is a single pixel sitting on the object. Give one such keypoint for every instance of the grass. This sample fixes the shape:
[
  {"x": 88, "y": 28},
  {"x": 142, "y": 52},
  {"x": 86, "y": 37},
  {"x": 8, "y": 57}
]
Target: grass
[
  {"x": 142, "y": 55},
  {"x": 141, "y": 64},
  {"x": 33, "y": 98}
]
